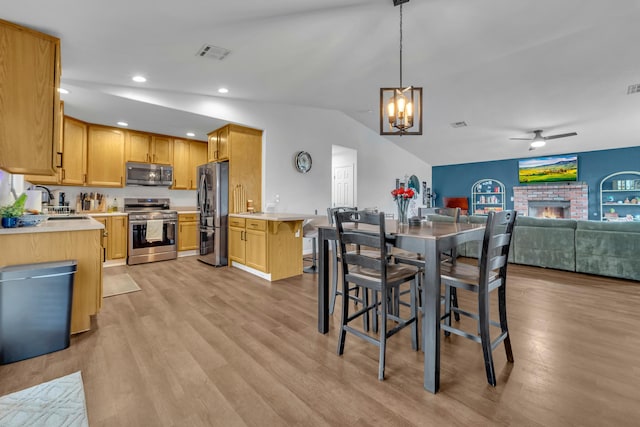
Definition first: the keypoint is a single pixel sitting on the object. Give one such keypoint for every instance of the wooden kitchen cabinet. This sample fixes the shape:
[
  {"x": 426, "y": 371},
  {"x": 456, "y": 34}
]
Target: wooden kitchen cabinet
[
  {"x": 187, "y": 232},
  {"x": 248, "y": 242},
  {"x": 116, "y": 233},
  {"x": 29, "y": 100},
  {"x": 197, "y": 157},
  {"x": 236, "y": 244},
  {"x": 242, "y": 146},
  {"x": 81, "y": 245},
  {"x": 105, "y": 156},
  {"x": 273, "y": 248},
  {"x": 218, "y": 149},
  {"x": 187, "y": 156},
  {"x": 55, "y": 178},
  {"x": 256, "y": 245},
  {"x": 147, "y": 148},
  {"x": 74, "y": 154}
]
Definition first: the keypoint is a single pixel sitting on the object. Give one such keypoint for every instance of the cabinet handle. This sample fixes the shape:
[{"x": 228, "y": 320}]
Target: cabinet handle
[
  {"x": 120, "y": 179},
  {"x": 147, "y": 157},
  {"x": 60, "y": 165},
  {"x": 154, "y": 157},
  {"x": 84, "y": 178},
  {"x": 63, "y": 175},
  {"x": 104, "y": 254}
]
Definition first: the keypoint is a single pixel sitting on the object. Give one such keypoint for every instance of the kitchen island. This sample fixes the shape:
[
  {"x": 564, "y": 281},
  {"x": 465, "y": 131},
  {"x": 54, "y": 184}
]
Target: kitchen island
[
  {"x": 268, "y": 245},
  {"x": 59, "y": 240}
]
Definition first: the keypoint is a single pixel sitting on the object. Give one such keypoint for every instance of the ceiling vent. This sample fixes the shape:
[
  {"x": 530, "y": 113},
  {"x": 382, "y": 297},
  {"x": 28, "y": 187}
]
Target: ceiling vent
[
  {"x": 633, "y": 89},
  {"x": 461, "y": 124},
  {"x": 213, "y": 52}
]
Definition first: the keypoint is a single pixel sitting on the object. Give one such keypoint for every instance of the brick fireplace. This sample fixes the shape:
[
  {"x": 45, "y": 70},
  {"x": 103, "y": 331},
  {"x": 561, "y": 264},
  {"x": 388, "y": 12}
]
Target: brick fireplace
[{"x": 573, "y": 198}]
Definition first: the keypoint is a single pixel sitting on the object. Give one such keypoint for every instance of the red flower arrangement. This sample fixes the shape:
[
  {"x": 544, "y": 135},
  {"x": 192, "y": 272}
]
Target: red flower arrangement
[
  {"x": 403, "y": 193},
  {"x": 402, "y": 196}
]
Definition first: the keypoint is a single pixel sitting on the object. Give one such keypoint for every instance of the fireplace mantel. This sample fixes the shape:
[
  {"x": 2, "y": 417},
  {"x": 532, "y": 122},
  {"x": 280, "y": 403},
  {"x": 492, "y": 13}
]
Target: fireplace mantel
[{"x": 576, "y": 194}]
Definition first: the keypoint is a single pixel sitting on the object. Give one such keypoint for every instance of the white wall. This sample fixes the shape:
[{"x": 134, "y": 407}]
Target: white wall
[{"x": 289, "y": 129}]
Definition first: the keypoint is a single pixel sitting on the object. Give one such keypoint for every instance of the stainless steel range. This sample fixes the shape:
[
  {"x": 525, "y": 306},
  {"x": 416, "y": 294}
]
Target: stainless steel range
[{"x": 153, "y": 229}]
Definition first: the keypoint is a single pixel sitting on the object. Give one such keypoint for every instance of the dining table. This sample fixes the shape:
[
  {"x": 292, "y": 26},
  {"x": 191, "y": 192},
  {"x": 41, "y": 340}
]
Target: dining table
[{"x": 429, "y": 238}]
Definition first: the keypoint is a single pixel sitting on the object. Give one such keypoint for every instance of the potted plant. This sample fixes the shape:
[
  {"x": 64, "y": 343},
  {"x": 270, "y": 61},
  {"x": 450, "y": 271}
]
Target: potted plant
[{"x": 11, "y": 213}]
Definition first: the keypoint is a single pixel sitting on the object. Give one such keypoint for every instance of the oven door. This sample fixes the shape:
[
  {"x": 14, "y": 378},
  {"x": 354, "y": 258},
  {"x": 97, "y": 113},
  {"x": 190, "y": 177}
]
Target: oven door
[{"x": 139, "y": 245}]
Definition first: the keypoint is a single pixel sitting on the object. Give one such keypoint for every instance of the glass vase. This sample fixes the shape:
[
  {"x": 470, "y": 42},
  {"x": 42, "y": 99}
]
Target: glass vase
[{"x": 402, "y": 212}]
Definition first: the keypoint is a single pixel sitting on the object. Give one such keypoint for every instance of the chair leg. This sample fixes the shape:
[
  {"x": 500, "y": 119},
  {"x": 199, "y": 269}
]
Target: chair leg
[
  {"x": 502, "y": 307},
  {"x": 345, "y": 315},
  {"x": 448, "y": 292},
  {"x": 415, "y": 340},
  {"x": 335, "y": 292},
  {"x": 375, "y": 311},
  {"x": 365, "y": 303},
  {"x": 314, "y": 256},
  {"x": 454, "y": 302},
  {"x": 483, "y": 325},
  {"x": 383, "y": 335}
]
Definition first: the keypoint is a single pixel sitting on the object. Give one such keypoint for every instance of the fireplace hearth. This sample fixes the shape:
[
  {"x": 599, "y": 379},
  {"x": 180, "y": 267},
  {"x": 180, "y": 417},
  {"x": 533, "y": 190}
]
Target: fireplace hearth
[
  {"x": 556, "y": 201},
  {"x": 550, "y": 208}
]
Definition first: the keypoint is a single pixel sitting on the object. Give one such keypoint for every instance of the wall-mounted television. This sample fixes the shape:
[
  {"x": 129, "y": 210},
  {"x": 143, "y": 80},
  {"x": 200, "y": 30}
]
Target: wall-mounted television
[{"x": 548, "y": 169}]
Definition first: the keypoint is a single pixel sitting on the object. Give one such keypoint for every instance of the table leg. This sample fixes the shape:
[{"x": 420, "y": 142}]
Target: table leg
[
  {"x": 431, "y": 318},
  {"x": 323, "y": 283}
]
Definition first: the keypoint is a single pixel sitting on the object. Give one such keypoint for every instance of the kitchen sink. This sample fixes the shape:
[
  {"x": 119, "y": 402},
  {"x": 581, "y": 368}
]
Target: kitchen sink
[{"x": 61, "y": 217}]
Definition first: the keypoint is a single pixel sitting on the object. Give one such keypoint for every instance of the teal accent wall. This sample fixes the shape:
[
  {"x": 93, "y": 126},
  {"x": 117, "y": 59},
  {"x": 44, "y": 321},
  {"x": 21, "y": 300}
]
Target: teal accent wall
[{"x": 593, "y": 166}]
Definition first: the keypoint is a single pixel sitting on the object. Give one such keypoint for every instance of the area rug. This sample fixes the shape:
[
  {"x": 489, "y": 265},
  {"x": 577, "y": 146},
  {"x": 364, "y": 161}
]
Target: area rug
[
  {"x": 56, "y": 403},
  {"x": 118, "y": 284}
]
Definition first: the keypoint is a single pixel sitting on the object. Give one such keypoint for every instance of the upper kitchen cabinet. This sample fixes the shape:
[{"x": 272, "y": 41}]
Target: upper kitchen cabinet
[
  {"x": 218, "y": 145},
  {"x": 147, "y": 148},
  {"x": 197, "y": 157},
  {"x": 243, "y": 149},
  {"x": 187, "y": 156},
  {"x": 105, "y": 156},
  {"x": 74, "y": 157},
  {"x": 29, "y": 100},
  {"x": 56, "y": 177}
]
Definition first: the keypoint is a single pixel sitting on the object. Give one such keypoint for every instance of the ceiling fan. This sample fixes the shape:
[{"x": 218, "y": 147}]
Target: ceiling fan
[{"x": 539, "y": 141}]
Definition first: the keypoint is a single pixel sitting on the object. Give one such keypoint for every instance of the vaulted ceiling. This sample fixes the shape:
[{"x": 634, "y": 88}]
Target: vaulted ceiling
[{"x": 504, "y": 67}]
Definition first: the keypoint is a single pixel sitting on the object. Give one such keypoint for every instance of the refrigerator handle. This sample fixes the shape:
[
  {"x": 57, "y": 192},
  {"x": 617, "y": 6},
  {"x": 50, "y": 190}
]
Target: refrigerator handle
[{"x": 202, "y": 198}]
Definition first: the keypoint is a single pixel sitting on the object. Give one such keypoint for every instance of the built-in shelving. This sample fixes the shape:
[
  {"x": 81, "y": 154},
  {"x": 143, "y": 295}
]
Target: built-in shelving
[
  {"x": 620, "y": 197},
  {"x": 487, "y": 195}
]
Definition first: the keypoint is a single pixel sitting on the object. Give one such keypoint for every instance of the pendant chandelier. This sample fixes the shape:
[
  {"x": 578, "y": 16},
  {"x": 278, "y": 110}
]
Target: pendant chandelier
[{"x": 401, "y": 107}]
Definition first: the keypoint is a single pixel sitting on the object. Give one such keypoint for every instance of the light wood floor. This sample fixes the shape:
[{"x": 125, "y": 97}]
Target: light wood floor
[{"x": 201, "y": 346}]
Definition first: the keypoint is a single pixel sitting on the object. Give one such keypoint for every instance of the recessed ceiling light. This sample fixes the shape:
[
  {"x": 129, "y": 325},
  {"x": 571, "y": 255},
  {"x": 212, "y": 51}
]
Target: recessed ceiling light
[
  {"x": 223, "y": 90},
  {"x": 63, "y": 90},
  {"x": 191, "y": 134},
  {"x": 123, "y": 124},
  {"x": 139, "y": 79}
]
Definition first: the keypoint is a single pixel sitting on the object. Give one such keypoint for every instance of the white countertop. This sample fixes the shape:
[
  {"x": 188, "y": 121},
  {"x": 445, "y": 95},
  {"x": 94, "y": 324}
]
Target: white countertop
[
  {"x": 274, "y": 216},
  {"x": 106, "y": 214},
  {"x": 56, "y": 226}
]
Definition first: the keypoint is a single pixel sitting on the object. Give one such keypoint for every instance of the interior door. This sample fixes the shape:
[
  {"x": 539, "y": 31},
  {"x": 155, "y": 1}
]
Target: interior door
[{"x": 343, "y": 185}]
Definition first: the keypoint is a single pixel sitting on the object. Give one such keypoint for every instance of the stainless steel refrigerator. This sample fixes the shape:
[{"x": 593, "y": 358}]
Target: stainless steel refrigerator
[{"x": 213, "y": 204}]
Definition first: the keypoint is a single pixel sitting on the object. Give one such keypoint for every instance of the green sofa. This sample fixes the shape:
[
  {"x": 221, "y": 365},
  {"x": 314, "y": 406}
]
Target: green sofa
[
  {"x": 544, "y": 243},
  {"x": 593, "y": 247},
  {"x": 608, "y": 248}
]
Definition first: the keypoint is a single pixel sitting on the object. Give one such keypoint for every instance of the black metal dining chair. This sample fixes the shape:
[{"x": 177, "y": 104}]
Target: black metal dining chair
[
  {"x": 335, "y": 291},
  {"x": 489, "y": 275},
  {"x": 372, "y": 271}
]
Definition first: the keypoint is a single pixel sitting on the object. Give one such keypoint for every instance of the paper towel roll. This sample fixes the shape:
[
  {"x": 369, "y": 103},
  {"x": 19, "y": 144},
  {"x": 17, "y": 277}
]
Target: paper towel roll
[{"x": 34, "y": 200}]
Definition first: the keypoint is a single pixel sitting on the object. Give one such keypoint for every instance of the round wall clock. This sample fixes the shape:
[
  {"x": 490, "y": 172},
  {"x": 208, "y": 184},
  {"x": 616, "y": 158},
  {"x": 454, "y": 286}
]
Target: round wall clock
[{"x": 303, "y": 162}]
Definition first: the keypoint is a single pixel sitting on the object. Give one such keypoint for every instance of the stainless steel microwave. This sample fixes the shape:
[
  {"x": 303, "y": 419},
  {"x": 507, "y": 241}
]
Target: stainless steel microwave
[{"x": 149, "y": 174}]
